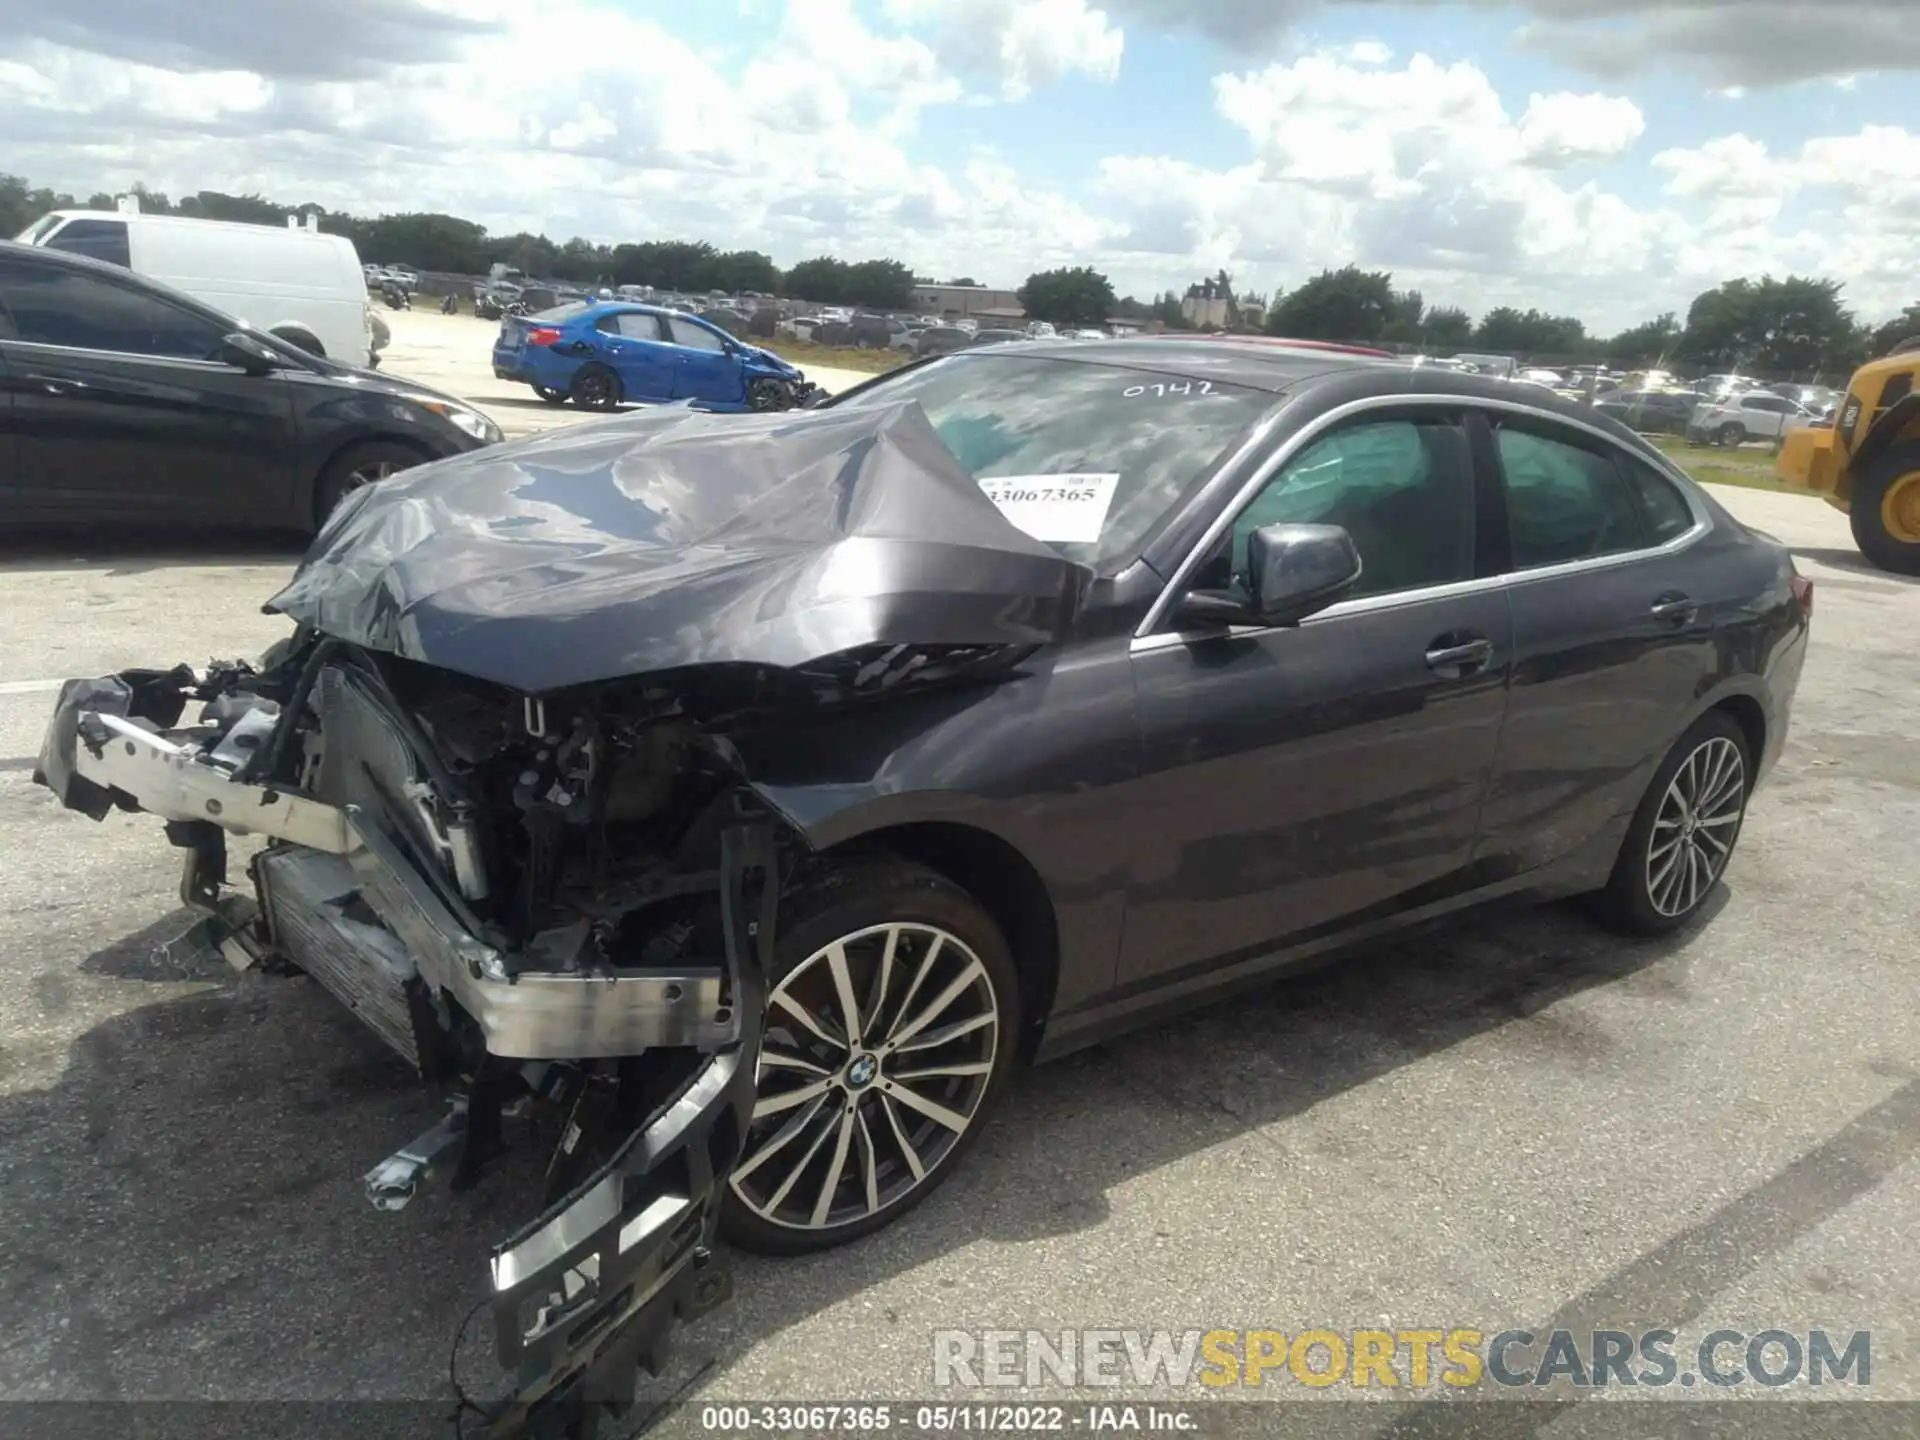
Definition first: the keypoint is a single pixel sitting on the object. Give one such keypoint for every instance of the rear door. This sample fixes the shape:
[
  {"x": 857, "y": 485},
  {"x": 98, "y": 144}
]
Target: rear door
[
  {"x": 1613, "y": 635},
  {"x": 704, "y": 368},
  {"x": 120, "y": 409},
  {"x": 631, "y": 343}
]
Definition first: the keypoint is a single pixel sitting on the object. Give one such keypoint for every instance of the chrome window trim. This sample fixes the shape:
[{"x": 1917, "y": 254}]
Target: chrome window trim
[{"x": 1148, "y": 629}]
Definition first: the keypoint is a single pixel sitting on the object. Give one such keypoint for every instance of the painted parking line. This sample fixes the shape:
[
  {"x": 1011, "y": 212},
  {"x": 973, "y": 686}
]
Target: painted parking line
[{"x": 30, "y": 687}]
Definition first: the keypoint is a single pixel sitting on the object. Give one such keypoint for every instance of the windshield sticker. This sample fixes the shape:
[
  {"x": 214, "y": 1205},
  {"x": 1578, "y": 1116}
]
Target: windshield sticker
[
  {"x": 1054, "y": 509},
  {"x": 1160, "y": 389}
]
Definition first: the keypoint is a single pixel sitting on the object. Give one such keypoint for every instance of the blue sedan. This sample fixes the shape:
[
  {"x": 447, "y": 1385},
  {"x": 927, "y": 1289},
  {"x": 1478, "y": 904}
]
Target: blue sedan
[{"x": 601, "y": 354}]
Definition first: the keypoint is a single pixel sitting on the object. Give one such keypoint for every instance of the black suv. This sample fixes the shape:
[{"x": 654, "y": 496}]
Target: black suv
[{"x": 130, "y": 401}]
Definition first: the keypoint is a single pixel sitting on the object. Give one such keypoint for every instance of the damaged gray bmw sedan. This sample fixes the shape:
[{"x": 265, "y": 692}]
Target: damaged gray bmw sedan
[{"x": 755, "y": 792}]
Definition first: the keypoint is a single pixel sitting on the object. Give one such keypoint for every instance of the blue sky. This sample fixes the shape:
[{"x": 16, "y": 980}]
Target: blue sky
[{"x": 1603, "y": 158}]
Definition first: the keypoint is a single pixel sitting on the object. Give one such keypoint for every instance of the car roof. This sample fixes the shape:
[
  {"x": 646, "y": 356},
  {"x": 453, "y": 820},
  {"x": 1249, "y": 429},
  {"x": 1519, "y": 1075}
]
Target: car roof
[{"x": 1258, "y": 363}]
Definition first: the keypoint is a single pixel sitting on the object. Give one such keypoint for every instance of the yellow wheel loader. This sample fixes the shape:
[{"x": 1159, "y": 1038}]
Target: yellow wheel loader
[{"x": 1868, "y": 462}]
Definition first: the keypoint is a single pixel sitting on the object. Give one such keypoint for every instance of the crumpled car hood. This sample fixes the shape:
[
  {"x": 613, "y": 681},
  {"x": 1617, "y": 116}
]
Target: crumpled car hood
[{"x": 672, "y": 538}]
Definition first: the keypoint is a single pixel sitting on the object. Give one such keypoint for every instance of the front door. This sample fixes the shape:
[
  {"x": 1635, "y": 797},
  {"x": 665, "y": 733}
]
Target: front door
[
  {"x": 120, "y": 409},
  {"x": 1614, "y": 621},
  {"x": 631, "y": 344},
  {"x": 707, "y": 371},
  {"x": 1299, "y": 780}
]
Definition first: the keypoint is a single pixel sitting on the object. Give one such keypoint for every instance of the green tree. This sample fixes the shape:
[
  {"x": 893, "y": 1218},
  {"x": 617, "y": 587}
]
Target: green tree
[
  {"x": 1644, "y": 344},
  {"x": 1506, "y": 330},
  {"x": 738, "y": 271},
  {"x": 1077, "y": 296},
  {"x": 1166, "y": 309},
  {"x": 1347, "y": 304},
  {"x": 963, "y": 280},
  {"x": 1906, "y": 323},
  {"x": 1791, "y": 326},
  {"x": 21, "y": 204},
  {"x": 880, "y": 285},
  {"x": 1448, "y": 328},
  {"x": 1406, "y": 319},
  {"x": 822, "y": 280}
]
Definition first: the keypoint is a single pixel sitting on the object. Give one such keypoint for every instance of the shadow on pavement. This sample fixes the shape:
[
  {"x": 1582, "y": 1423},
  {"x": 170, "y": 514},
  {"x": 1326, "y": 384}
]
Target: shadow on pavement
[
  {"x": 135, "y": 550},
  {"x": 185, "y": 1218}
]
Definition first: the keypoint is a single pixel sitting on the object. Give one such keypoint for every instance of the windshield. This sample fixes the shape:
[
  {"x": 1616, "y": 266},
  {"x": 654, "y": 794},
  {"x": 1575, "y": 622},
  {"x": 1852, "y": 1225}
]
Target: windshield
[
  {"x": 1088, "y": 457},
  {"x": 31, "y": 235}
]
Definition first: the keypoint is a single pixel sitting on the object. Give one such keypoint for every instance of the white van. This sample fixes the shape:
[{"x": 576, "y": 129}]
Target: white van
[{"x": 305, "y": 287}]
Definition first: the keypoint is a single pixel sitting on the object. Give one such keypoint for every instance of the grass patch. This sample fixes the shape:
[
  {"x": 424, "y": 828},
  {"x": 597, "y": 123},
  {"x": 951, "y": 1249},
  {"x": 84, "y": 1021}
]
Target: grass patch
[
  {"x": 1748, "y": 467},
  {"x": 833, "y": 357}
]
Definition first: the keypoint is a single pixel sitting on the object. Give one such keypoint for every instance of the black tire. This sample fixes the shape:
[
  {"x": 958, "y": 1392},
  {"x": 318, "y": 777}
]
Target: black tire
[
  {"x": 1867, "y": 513},
  {"x": 764, "y": 395},
  {"x": 1730, "y": 435},
  {"x": 849, "y": 903},
  {"x": 595, "y": 387},
  {"x": 357, "y": 465},
  {"x": 1635, "y": 901},
  {"x": 302, "y": 339},
  {"x": 550, "y": 395}
]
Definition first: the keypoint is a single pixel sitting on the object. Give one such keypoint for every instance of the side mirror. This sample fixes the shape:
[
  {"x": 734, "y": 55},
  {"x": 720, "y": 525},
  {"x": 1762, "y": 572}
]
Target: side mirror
[
  {"x": 1293, "y": 571},
  {"x": 245, "y": 352}
]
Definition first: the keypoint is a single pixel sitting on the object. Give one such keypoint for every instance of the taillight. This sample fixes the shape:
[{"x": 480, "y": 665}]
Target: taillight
[
  {"x": 1803, "y": 595},
  {"x": 543, "y": 335}
]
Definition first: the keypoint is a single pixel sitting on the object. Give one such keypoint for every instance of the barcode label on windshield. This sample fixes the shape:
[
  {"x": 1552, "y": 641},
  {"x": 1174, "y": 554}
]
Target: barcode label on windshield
[{"x": 1055, "y": 509}]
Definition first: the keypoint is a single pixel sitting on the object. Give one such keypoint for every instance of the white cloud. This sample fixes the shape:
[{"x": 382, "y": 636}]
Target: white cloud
[
  {"x": 1561, "y": 129},
  {"x": 1019, "y": 44},
  {"x": 812, "y": 135}
]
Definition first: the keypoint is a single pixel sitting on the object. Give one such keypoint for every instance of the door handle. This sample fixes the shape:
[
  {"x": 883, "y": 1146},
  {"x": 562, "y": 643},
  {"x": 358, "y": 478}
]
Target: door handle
[
  {"x": 1463, "y": 657},
  {"x": 1674, "y": 607}
]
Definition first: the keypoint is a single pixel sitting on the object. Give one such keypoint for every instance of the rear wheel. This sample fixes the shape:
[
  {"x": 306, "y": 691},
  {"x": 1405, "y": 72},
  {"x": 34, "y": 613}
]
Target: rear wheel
[
  {"x": 357, "y": 466},
  {"x": 1729, "y": 435},
  {"x": 1684, "y": 832},
  {"x": 892, "y": 1019},
  {"x": 1885, "y": 509},
  {"x": 550, "y": 395},
  {"x": 596, "y": 388}
]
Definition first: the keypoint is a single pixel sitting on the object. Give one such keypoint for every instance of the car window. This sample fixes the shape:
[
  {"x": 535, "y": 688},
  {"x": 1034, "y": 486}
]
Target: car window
[
  {"x": 1403, "y": 489},
  {"x": 1766, "y": 402},
  {"x": 694, "y": 337},
  {"x": 1004, "y": 414},
  {"x": 557, "y": 314},
  {"x": 50, "y": 304},
  {"x": 1565, "y": 501},
  {"x": 1663, "y": 509},
  {"x": 640, "y": 327},
  {"x": 100, "y": 239}
]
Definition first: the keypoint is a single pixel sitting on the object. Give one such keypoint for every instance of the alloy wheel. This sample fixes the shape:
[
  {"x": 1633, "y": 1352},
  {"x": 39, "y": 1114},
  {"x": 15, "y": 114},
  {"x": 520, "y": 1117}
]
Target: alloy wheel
[
  {"x": 368, "y": 474},
  {"x": 1694, "y": 831},
  {"x": 878, "y": 1052}
]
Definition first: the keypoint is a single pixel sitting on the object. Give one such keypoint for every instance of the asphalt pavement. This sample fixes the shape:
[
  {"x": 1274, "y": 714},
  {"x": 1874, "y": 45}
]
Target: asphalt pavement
[{"x": 1518, "y": 1122}]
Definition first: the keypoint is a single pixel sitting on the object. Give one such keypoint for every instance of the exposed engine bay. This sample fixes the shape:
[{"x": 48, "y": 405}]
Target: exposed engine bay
[{"x": 561, "y": 903}]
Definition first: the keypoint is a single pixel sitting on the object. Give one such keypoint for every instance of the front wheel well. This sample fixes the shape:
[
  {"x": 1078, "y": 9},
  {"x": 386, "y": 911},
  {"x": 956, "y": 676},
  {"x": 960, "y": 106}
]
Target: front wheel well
[
  {"x": 301, "y": 336},
  {"x": 1005, "y": 884}
]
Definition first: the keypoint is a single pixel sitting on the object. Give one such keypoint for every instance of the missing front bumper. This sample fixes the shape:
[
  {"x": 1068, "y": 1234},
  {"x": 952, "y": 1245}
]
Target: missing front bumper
[{"x": 584, "y": 1296}]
